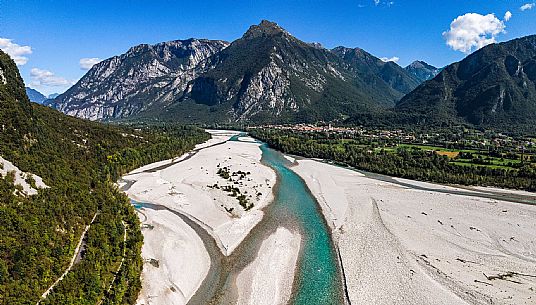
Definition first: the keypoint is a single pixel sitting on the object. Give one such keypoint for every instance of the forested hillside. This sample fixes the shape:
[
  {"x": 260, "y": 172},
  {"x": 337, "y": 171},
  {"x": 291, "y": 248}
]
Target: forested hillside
[
  {"x": 79, "y": 161},
  {"x": 495, "y": 87}
]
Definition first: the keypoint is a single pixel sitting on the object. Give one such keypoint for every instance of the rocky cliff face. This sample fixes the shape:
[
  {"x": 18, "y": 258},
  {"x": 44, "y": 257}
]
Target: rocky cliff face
[
  {"x": 3, "y": 79},
  {"x": 142, "y": 77}
]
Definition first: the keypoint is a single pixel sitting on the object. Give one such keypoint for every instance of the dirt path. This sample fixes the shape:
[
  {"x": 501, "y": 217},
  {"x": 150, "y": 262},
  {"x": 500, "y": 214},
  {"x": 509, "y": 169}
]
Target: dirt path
[{"x": 71, "y": 264}]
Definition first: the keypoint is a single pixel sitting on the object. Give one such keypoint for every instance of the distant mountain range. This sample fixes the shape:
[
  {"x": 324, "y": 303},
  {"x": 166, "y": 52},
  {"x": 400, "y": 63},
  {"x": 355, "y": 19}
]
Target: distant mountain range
[
  {"x": 270, "y": 76},
  {"x": 38, "y": 97},
  {"x": 53, "y": 96},
  {"x": 265, "y": 76},
  {"x": 493, "y": 87}
]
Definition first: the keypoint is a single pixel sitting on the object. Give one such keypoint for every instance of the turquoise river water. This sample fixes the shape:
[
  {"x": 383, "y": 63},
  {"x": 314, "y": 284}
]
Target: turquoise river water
[{"x": 318, "y": 278}]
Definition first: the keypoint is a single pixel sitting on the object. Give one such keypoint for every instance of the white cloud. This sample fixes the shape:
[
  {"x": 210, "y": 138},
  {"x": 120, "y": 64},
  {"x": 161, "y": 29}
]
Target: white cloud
[
  {"x": 474, "y": 31},
  {"x": 387, "y": 3},
  {"x": 507, "y": 16},
  {"x": 46, "y": 78},
  {"x": 87, "y": 63},
  {"x": 527, "y": 6},
  {"x": 16, "y": 51},
  {"x": 393, "y": 59},
  {"x": 381, "y": 3}
]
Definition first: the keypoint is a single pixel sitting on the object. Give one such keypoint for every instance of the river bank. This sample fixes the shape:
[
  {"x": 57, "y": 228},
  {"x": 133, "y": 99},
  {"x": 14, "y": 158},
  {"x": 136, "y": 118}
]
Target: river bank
[
  {"x": 208, "y": 186},
  {"x": 269, "y": 278},
  {"x": 221, "y": 188},
  {"x": 289, "y": 255},
  {"x": 401, "y": 245},
  {"x": 176, "y": 261},
  {"x": 398, "y": 241}
]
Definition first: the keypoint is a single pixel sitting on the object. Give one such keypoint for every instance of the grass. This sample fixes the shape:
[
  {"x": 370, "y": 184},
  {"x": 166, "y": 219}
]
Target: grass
[
  {"x": 463, "y": 163},
  {"x": 452, "y": 154},
  {"x": 437, "y": 148}
]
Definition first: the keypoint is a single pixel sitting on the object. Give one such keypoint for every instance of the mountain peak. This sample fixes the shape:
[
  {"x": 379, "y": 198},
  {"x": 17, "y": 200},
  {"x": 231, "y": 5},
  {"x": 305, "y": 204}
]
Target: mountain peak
[
  {"x": 264, "y": 29},
  {"x": 419, "y": 64},
  {"x": 266, "y": 76},
  {"x": 351, "y": 52},
  {"x": 422, "y": 70}
]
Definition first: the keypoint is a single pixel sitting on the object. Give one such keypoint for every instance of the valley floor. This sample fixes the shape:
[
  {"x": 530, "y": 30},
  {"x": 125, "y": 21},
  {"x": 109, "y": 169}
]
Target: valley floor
[
  {"x": 400, "y": 245},
  {"x": 196, "y": 186},
  {"x": 400, "y": 242}
]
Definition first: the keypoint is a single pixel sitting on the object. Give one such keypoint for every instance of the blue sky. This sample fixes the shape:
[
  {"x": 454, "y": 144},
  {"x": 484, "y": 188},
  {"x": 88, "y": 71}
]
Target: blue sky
[{"x": 61, "y": 33}]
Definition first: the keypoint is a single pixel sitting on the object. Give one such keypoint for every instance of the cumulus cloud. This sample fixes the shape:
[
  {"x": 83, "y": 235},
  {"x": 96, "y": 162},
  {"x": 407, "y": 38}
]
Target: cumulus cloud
[
  {"x": 46, "y": 78},
  {"x": 387, "y": 59},
  {"x": 15, "y": 51},
  {"x": 507, "y": 16},
  {"x": 527, "y": 6},
  {"x": 87, "y": 63},
  {"x": 474, "y": 31}
]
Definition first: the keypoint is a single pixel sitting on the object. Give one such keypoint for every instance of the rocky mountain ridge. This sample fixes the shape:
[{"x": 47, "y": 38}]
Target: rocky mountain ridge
[
  {"x": 146, "y": 74},
  {"x": 266, "y": 75},
  {"x": 35, "y": 96}
]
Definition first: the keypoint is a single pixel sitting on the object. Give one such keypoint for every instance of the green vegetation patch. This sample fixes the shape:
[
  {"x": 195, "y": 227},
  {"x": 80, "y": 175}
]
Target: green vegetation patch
[
  {"x": 80, "y": 161},
  {"x": 499, "y": 165}
]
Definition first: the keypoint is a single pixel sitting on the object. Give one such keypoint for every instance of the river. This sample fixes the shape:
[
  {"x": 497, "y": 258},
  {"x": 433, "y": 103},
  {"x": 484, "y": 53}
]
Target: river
[{"x": 318, "y": 278}]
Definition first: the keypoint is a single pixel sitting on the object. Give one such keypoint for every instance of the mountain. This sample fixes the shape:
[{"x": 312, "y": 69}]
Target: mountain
[
  {"x": 145, "y": 75},
  {"x": 422, "y": 71},
  {"x": 35, "y": 96},
  {"x": 267, "y": 75},
  {"x": 383, "y": 77},
  {"x": 38, "y": 97},
  {"x": 493, "y": 87}
]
